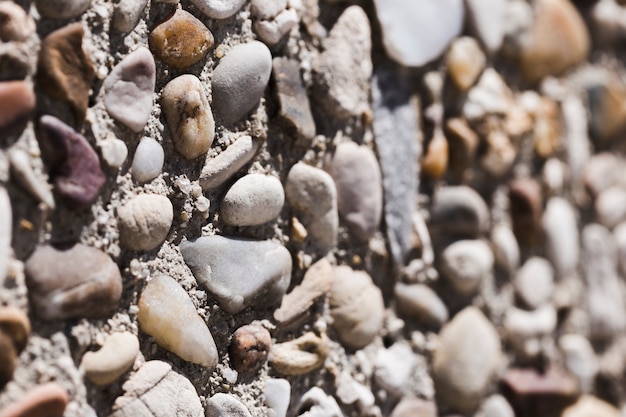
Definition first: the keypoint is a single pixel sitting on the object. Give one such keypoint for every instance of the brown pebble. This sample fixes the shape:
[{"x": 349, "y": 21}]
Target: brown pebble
[
  {"x": 249, "y": 348},
  {"x": 8, "y": 359},
  {"x": 181, "y": 40},
  {"x": 17, "y": 102},
  {"x": 64, "y": 71},
  {"x": 15, "y": 324},
  {"x": 15, "y": 23},
  {"x": 48, "y": 400},
  {"x": 526, "y": 205},
  {"x": 435, "y": 161},
  {"x": 462, "y": 145}
]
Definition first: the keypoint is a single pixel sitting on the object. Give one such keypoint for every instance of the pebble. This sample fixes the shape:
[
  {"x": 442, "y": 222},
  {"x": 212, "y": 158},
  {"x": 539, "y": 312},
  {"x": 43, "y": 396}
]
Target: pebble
[
  {"x": 620, "y": 240},
  {"x": 397, "y": 137},
  {"x": 465, "y": 61},
  {"x": 491, "y": 95},
  {"x": 14, "y": 324},
  {"x": 505, "y": 248},
  {"x": 148, "y": 160},
  {"x": 44, "y": 400},
  {"x": 64, "y": 71},
  {"x": 114, "y": 152},
  {"x": 355, "y": 325},
  {"x": 343, "y": 71},
  {"x": 607, "y": 110},
  {"x": 312, "y": 194},
  {"x": 350, "y": 391},
  {"x": 277, "y": 396},
  {"x": 249, "y": 348},
  {"x": 14, "y": 62},
  {"x": 557, "y": 40},
  {"x": 414, "y": 407},
  {"x": 23, "y": 173},
  {"x": 223, "y": 405},
  {"x": 316, "y": 403},
  {"x": 218, "y": 9},
  {"x": 358, "y": 181},
  {"x": 394, "y": 367},
  {"x": 601, "y": 172},
  {"x": 219, "y": 169},
  {"x": 526, "y": 205},
  {"x": 317, "y": 283},
  {"x": 272, "y": 31},
  {"x": 576, "y": 138},
  {"x": 463, "y": 145},
  {"x": 253, "y": 200},
  {"x": 239, "y": 272},
  {"x": 129, "y": 88},
  {"x": 17, "y": 25},
  {"x": 561, "y": 235},
  {"x": 239, "y": 80},
  {"x": 144, "y": 221},
  {"x": 62, "y": 9},
  {"x": 293, "y": 98},
  {"x": 468, "y": 357},
  {"x": 112, "y": 360},
  {"x": 299, "y": 356},
  {"x": 534, "y": 282},
  {"x": 127, "y": 13},
  {"x": 435, "y": 22},
  {"x": 495, "y": 406},
  {"x": 466, "y": 264},
  {"x": 610, "y": 206},
  {"x": 487, "y": 20},
  {"x": 6, "y": 232},
  {"x": 8, "y": 357},
  {"x": 188, "y": 116},
  {"x": 167, "y": 313},
  {"x": 267, "y": 9},
  {"x": 589, "y": 406},
  {"x": 181, "y": 40},
  {"x": 459, "y": 210},
  {"x": 526, "y": 329},
  {"x": 155, "y": 386},
  {"x": 580, "y": 359},
  {"x": 435, "y": 162},
  {"x": 421, "y": 304},
  {"x": 80, "y": 282}
]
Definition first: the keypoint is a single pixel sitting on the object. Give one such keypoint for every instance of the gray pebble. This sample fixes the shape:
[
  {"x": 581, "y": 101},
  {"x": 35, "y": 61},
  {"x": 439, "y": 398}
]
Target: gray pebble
[
  {"x": 145, "y": 221},
  {"x": 253, "y": 200},
  {"x": 359, "y": 188},
  {"x": 218, "y": 9},
  {"x": 420, "y": 303},
  {"x": 6, "y": 225},
  {"x": 466, "y": 263},
  {"x": 226, "y": 164},
  {"x": 148, "y": 160},
  {"x": 561, "y": 235},
  {"x": 459, "y": 210},
  {"x": 239, "y": 272},
  {"x": 129, "y": 89},
  {"x": 223, "y": 405},
  {"x": 312, "y": 194},
  {"x": 534, "y": 282},
  {"x": 62, "y": 9},
  {"x": 277, "y": 396},
  {"x": 239, "y": 80},
  {"x": 127, "y": 13}
]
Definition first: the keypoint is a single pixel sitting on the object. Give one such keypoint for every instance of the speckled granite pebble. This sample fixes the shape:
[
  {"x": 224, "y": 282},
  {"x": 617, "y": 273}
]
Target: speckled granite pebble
[
  {"x": 145, "y": 221},
  {"x": 253, "y": 200},
  {"x": 249, "y": 348},
  {"x": 148, "y": 160}
]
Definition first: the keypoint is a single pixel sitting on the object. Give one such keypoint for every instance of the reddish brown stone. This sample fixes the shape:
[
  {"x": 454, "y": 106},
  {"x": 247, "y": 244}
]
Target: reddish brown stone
[
  {"x": 17, "y": 102},
  {"x": 15, "y": 324},
  {"x": 48, "y": 400},
  {"x": 526, "y": 204},
  {"x": 249, "y": 348},
  {"x": 64, "y": 71},
  {"x": 8, "y": 359}
]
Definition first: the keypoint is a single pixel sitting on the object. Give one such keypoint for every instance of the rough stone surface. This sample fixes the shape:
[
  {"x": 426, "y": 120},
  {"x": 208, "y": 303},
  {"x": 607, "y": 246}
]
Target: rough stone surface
[
  {"x": 272, "y": 31},
  {"x": 239, "y": 80},
  {"x": 114, "y": 358},
  {"x": 466, "y": 264},
  {"x": 253, "y": 200},
  {"x": 316, "y": 403},
  {"x": 299, "y": 356},
  {"x": 80, "y": 282},
  {"x": 239, "y": 272},
  {"x": 526, "y": 330},
  {"x": 62, "y": 9},
  {"x": 148, "y": 160},
  {"x": 580, "y": 359},
  {"x": 167, "y": 313},
  {"x": 129, "y": 88},
  {"x": 249, "y": 348},
  {"x": 218, "y": 9},
  {"x": 17, "y": 102},
  {"x": 394, "y": 367},
  {"x": 219, "y": 169}
]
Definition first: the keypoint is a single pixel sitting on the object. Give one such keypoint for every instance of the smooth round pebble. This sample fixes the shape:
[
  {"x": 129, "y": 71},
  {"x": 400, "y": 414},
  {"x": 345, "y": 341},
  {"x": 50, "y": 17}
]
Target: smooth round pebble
[
  {"x": 239, "y": 80},
  {"x": 17, "y": 102},
  {"x": 14, "y": 323},
  {"x": 496, "y": 406},
  {"x": 459, "y": 210},
  {"x": 148, "y": 160},
  {"x": 253, "y": 200},
  {"x": 466, "y": 263},
  {"x": 62, "y": 9},
  {"x": 114, "y": 358},
  {"x": 223, "y": 405},
  {"x": 218, "y": 9},
  {"x": 145, "y": 221},
  {"x": 249, "y": 348},
  {"x": 562, "y": 241}
]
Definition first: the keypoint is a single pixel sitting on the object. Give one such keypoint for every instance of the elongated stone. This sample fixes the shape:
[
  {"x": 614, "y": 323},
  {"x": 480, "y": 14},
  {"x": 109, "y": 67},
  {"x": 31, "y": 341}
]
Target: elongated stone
[
  {"x": 188, "y": 115},
  {"x": 167, "y": 313},
  {"x": 129, "y": 88},
  {"x": 114, "y": 358},
  {"x": 239, "y": 272},
  {"x": 226, "y": 164}
]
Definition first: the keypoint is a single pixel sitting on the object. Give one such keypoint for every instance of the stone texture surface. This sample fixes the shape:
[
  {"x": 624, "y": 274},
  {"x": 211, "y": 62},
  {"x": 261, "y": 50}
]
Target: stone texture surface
[
  {"x": 466, "y": 264},
  {"x": 224, "y": 405}
]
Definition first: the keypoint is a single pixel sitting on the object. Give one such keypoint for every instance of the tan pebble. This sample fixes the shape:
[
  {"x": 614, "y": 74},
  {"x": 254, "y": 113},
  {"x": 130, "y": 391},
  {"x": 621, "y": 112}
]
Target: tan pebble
[
  {"x": 181, "y": 40},
  {"x": 299, "y": 356},
  {"x": 547, "y": 130},
  {"x": 15, "y": 324},
  {"x": 46, "y": 400},
  {"x": 298, "y": 231},
  {"x": 188, "y": 116},
  {"x": 249, "y": 348},
  {"x": 435, "y": 161},
  {"x": 8, "y": 359},
  {"x": 15, "y": 23},
  {"x": 145, "y": 221},
  {"x": 465, "y": 62},
  {"x": 114, "y": 358}
]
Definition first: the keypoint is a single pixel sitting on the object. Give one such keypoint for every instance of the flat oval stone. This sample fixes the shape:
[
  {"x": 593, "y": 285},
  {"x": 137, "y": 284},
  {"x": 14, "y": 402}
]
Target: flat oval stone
[
  {"x": 167, "y": 313},
  {"x": 239, "y": 272},
  {"x": 45, "y": 400},
  {"x": 62, "y": 9},
  {"x": 129, "y": 88},
  {"x": 114, "y": 358},
  {"x": 17, "y": 25},
  {"x": 74, "y": 165},
  {"x": 218, "y": 9},
  {"x": 277, "y": 396},
  {"x": 359, "y": 188},
  {"x": 226, "y": 164},
  {"x": 80, "y": 282},
  {"x": 64, "y": 71},
  {"x": 181, "y": 40},
  {"x": 459, "y": 210},
  {"x": 148, "y": 160},
  {"x": 145, "y": 221},
  {"x": 253, "y": 200},
  {"x": 223, "y": 405},
  {"x": 357, "y": 307},
  {"x": 299, "y": 356},
  {"x": 466, "y": 263},
  {"x": 188, "y": 115},
  {"x": 239, "y": 80}
]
